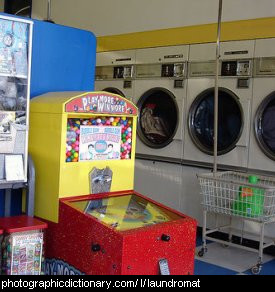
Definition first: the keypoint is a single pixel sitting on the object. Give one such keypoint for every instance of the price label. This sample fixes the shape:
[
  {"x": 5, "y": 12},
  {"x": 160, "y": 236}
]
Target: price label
[{"x": 164, "y": 267}]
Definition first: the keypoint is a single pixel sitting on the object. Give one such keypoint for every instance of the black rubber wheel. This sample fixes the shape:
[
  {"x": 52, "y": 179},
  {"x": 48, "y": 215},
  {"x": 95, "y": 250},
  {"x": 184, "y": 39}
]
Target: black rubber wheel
[
  {"x": 256, "y": 269},
  {"x": 201, "y": 253},
  {"x": 224, "y": 245}
]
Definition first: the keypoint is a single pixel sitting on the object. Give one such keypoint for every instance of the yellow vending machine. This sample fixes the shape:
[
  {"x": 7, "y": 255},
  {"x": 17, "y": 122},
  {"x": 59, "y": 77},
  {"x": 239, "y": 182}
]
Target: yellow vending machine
[{"x": 81, "y": 143}]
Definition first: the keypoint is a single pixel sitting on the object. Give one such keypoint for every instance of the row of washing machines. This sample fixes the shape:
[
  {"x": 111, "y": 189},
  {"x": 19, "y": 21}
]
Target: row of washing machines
[{"x": 173, "y": 88}]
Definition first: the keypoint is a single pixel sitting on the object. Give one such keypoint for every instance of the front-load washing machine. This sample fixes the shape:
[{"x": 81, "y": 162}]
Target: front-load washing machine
[
  {"x": 115, "y": 72},
  {"x": 160, "y": 93},
  {"x": 262, "y": 141},
  {"x": 235, "y": 92}
]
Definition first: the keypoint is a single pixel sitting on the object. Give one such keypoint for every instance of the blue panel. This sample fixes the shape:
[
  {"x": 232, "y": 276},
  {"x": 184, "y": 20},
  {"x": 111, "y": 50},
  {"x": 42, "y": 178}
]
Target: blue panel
[
  {"x": 16, "y": 202},
  {"x": 203, "y": 268},
  {"x": 63, "y": 59}
]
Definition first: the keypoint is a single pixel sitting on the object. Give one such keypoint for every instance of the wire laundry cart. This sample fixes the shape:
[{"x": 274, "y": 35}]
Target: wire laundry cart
[{"x": 237, "y": 194}]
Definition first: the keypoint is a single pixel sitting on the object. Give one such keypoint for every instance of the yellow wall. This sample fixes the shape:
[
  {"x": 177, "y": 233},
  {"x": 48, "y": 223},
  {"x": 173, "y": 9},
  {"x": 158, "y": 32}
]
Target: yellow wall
[{"x": 233, "y": 30}]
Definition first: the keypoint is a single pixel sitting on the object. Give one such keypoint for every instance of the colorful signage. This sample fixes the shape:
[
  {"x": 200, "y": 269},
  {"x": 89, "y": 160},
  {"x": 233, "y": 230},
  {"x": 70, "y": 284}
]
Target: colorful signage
[
  {"x": 101, "y": 102},
  {"x": 26, "y": 253},
  {"x": 13, "y": 48},
  {"x": 99, "y": 143}
]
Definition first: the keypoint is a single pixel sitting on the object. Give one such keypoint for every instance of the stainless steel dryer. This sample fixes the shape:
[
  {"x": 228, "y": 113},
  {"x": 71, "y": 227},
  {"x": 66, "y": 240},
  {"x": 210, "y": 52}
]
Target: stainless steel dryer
[
  {"x": 262, "y": 141},
  {"x": 115, "y": 72},
  {"x": 160, "y": 93},
  {"x": 235, "y": 93}
]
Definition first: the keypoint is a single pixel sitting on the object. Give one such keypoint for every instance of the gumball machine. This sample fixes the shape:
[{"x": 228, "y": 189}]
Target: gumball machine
[{"x": 83, "y": 147}]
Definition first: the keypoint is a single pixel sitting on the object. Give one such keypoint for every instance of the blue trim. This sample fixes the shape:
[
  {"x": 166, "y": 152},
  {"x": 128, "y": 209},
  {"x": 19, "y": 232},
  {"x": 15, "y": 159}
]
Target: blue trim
[{"x": 203, "y": 268}]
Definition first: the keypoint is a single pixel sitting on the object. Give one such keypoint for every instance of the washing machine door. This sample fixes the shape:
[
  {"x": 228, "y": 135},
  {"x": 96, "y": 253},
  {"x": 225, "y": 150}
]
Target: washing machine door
[
  {"x": 264, "y": 125},
  {"x": 114, "y": 90},
  {"x": 158, "y": 117},
  {"x": 230, "y": 121}
]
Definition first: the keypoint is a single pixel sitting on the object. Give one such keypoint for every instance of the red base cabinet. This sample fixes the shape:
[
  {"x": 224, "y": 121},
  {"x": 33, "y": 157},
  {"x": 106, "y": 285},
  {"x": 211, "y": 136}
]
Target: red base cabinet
[{"x": 120, "y": 233}]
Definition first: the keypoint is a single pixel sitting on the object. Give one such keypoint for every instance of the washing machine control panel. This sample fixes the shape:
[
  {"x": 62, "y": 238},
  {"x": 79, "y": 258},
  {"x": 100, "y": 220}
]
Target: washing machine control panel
[
  {"x": 176, "y": 70},
  {"x": 168, "y": 70},
  {"x": 117, "y": 72},
  {"x": 123, "y": 72},
  {"x": 236, "y": 68}
]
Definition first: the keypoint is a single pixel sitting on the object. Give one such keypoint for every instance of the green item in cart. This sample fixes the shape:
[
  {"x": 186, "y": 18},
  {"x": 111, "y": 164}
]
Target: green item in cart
[{"x": 250, "y": 200}]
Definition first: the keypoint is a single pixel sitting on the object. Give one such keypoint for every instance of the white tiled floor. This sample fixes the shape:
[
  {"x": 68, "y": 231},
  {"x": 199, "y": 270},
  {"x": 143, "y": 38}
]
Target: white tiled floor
[
  {"x": 231, "y": 258},
  {"x": 220, "y": 260}
]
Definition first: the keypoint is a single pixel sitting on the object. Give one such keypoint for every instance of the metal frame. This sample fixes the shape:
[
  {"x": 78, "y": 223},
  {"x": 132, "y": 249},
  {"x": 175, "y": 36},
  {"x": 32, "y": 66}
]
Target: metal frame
[
  {"x": 28, "y": 96},
  {"x": 219, "y": 192},
  {"x": 28, "y": 164},
  {"x": 29, "y": 187},
  {"x": 255, "y": 269},
  {"x": 216, "y": 95}
]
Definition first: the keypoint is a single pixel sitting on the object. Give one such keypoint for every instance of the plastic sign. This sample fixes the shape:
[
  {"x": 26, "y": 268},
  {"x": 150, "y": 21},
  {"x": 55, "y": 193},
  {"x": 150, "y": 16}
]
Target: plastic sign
[
  {"x": 99, "y": 143},
  {"x": 101, "y": 103}
]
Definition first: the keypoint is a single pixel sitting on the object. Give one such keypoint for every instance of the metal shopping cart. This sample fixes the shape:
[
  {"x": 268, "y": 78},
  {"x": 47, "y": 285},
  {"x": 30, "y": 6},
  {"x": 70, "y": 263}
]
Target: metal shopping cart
[{"x": 237, "y": 194}]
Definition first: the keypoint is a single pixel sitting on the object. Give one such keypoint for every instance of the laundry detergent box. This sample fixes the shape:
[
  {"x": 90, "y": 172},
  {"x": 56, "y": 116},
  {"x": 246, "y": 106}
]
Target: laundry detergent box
[{"x": 250, "y": 201}]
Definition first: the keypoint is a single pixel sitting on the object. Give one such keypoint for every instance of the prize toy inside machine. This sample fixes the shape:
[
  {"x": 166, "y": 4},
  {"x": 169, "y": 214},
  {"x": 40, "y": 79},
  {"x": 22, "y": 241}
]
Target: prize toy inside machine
[
  {"x": 83, "y": 145},
  {"x": 21, "y": 236}
]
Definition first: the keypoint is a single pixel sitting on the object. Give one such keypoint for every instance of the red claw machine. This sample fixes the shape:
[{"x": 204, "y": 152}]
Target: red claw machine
[{"x": 83, "y": 146}]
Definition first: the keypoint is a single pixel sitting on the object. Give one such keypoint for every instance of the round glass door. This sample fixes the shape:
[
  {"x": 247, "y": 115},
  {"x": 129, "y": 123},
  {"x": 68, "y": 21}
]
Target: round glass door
[
  {"x": 158, "y": 117},
  {"x": 114, "y": 91},
  {"x": 230, "y": 121},
  {"x": 265, "y": 125}
]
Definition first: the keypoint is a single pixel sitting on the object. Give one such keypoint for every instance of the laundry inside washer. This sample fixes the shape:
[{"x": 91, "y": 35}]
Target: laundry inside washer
[
  {"x": 230, "y": 121},
  {"x": 158, "y": 117}
]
